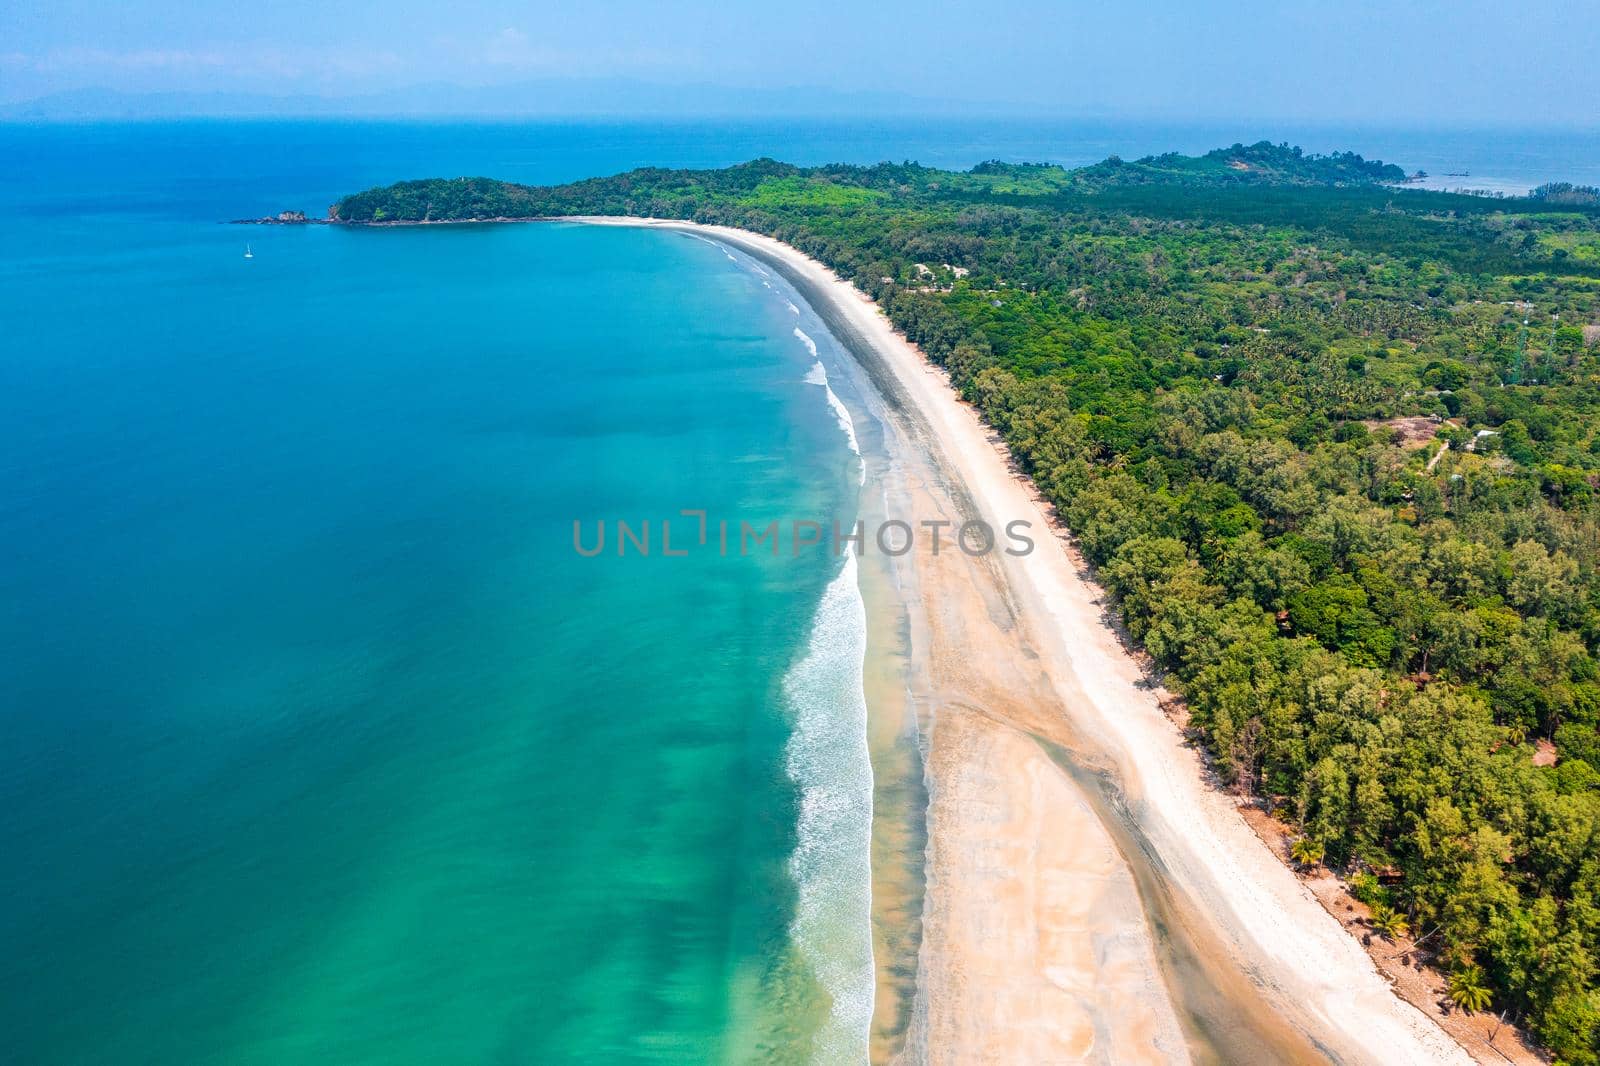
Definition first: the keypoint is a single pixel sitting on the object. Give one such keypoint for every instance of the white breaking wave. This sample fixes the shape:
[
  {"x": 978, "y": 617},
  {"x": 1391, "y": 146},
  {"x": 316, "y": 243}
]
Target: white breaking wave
[
  {"x": 792, "y": 308},
  {"x": 818, "y": 375},
  {"x": 811, "y": 345},
  {"x": 718, "y": 245},
  {"x": 828, "y": 761}
]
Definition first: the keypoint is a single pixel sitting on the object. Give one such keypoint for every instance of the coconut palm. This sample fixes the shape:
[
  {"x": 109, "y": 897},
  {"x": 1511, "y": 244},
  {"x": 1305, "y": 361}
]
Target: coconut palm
[
  {"x": 1306, "y": 852},
  {"x": 1467, "y": 990},
  {"x": 1390, "y": 923}
]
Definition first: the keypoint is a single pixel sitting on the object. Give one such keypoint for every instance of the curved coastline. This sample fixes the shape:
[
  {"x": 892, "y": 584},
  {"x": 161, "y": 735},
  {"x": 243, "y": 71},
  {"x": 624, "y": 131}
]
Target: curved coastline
[
  {"x": 1284, "y": 981},
  {"x": 1300, "y": 959},
  {"x": 1287, "y": 981},
  {"x": 1013, "y": 933}
]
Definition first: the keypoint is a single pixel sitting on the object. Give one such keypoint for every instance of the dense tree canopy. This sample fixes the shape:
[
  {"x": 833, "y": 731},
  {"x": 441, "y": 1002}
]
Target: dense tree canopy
[{"x": 1334, "y": 446}]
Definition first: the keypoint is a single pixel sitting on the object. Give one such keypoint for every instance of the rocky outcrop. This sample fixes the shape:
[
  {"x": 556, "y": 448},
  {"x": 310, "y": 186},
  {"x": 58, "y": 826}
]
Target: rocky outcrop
[{"x": 287, "y": 218}]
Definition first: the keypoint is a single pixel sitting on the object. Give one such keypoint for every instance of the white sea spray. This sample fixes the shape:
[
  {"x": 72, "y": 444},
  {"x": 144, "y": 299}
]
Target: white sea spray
[{"x": 827, "y": 758}]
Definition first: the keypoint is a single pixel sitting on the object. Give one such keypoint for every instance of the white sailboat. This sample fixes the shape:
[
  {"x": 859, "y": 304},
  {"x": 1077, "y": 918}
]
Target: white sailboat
[{"x": 248, "y": 254}]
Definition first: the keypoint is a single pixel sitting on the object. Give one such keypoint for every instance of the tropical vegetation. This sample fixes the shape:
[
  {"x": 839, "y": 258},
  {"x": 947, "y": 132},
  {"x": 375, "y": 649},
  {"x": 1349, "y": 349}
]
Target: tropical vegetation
[{"x": 1333, "y": 444}]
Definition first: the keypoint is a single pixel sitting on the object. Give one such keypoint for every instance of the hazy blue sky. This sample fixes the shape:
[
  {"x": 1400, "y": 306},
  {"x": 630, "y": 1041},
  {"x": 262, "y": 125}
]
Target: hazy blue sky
[{"x": 1496, "y": 61}]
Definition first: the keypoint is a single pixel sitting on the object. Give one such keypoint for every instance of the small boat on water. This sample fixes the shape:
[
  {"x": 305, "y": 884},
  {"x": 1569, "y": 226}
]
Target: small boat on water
[{"x": 248, "y": 254}]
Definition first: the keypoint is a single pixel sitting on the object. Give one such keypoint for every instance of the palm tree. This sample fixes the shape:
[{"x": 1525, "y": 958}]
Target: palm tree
[
  {"x": 1467, "y": 990},
  {"x": 1306, "y": 852},
  {"x": 1390, "y": 923}
]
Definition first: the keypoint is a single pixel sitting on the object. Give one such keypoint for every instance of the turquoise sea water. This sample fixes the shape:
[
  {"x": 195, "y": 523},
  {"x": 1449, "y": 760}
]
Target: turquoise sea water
[{"x": 321, "y": 744}]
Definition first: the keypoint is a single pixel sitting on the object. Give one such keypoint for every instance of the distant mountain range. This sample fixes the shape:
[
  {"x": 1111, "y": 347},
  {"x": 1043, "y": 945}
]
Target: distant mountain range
[{"x": 543, "y": 98}]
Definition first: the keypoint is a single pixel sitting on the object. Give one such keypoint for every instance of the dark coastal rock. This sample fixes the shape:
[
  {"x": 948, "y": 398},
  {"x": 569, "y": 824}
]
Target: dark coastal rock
[{"x": 283, "y": 218}]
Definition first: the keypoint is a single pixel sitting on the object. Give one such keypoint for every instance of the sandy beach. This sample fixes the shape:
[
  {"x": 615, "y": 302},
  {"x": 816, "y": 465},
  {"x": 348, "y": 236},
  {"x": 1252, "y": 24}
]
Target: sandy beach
[
  {"x": 1075, "y": 916},
  {"x": 1032, "y": 943}
]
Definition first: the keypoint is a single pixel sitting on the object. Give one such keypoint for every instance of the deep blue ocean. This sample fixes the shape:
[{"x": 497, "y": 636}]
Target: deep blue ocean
[{"x": 321, "y": 743}]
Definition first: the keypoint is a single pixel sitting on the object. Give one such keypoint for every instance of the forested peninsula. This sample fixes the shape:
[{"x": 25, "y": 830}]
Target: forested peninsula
[{"x": 1333, "y": 445}]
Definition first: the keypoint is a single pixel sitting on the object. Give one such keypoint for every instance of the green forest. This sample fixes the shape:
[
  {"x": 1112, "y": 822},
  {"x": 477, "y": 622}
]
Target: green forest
[{"x": 1333, "y": 445}]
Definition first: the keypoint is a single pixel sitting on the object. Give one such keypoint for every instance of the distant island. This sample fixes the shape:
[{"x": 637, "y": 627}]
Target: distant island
[
  {"x": 1333, "y": 446},
  {"x": 1241, "y": 166}
]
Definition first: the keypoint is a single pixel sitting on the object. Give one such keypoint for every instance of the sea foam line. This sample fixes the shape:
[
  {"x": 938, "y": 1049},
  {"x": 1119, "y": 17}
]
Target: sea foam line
[
  {"x": 808, "y": 343},
  {"x": 828, "y": 761},
  {"x": 818, "y": 375}
]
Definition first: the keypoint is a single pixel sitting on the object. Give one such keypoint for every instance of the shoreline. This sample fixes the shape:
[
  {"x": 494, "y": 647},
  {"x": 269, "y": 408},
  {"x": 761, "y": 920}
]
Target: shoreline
[
  {"x": 1005, "y": 941},
  {"x": 998, "y": 979},
  {"x": 1037, "y": 944},
  {"x": 1293, "y": 949},
  {"x": 1287, "y": 970}
]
